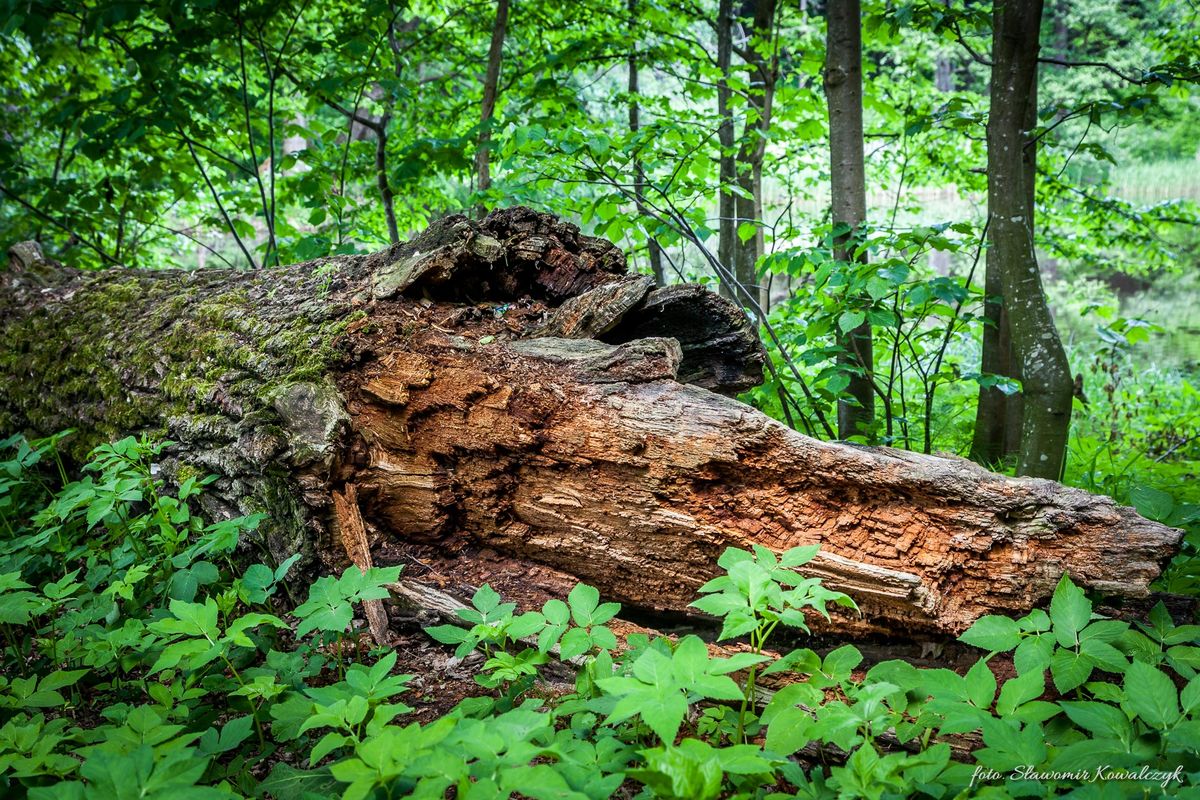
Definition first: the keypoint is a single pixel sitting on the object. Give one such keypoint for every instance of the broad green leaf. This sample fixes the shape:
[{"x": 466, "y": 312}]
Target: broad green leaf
[
  {"x": 998, "y": 634},
  {"x": 1151, "y": 695}
]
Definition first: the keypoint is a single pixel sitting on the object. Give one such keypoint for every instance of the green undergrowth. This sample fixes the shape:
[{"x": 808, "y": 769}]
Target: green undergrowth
[{"x": 141, "y": 659}]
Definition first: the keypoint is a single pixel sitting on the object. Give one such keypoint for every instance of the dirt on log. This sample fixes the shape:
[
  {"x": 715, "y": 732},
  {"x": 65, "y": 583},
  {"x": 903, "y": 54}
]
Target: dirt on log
[{"x": 501, "y": 401}]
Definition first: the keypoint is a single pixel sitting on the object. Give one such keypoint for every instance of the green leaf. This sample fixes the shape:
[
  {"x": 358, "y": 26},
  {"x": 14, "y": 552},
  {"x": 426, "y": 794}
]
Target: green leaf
[
  {"x": 664, "y": 713},
  {"x": 486, "y": 599},
  {"x": 839, "y": 663},
  {"x": 789, "y": 731},
  {"x": 798, "y": 556},
  {"x": 448, "y": 634},
  {"x": 1033, "y": 654},
  {"x": 1151, "y": 695},
  {"x": 981, "y": 685},
  {"x": 583, "y": 600},
  {"x": 994, "y": 633},
  {"x": 1070, "y": 611},
  {"x": 1069, "y": 669},
  {"x": 1020, "y": 690},
  {"x": 849, "y": 320},
  {"x": 1010, "y": 746},
  {"x": 1152, "y": 503},
  {"x": 1098, "y": 719},
  {"x": 60, "y": 679}
]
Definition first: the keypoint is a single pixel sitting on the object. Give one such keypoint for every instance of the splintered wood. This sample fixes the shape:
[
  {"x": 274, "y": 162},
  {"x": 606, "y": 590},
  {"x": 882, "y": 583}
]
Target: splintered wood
[{"x": 353, "y": 534}]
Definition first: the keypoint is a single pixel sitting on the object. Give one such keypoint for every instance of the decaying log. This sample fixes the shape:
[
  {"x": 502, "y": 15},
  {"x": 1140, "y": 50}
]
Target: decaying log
[{"x": 503, "y": 393}]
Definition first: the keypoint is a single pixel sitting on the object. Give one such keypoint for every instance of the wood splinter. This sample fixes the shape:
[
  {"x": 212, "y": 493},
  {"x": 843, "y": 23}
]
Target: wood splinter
[{"x": 353, "y": 534}]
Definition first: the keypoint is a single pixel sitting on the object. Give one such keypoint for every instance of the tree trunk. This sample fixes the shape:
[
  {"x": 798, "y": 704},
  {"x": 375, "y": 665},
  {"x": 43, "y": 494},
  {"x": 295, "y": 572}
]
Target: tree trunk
[
  {"x": 843, "y": 90},
  {"x": 653, "y": 249},
  {"x": 993, "y": 414},
  {"x": 1037, "y": 350},
  {"x": 498, "y": 401},
  {"x": 491, "y": 83},
  {"x": 998, "y": 416},
  {"x": 381, "y": 179},
  {"x": 727, "y": 159},
  {"x": 753, "y": 148}
]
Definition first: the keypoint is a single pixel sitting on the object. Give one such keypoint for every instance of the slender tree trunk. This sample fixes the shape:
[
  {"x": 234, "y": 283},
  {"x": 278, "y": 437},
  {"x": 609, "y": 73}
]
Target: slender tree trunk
[
  {"x": 727, "y": 200},
  {"x": 1036, "y": 347},
  {"x": 998, "y": 416},
  {"x": 654, "y": 251},
  {"x": 491, "y": 83},
  {"x": 993, "y": 412},
  {"x": 753, "y": 148},
  {"x": 944, "y": 74},
  {"x": 843, "y": 89},
  {"x": 381, "y": 177},
  {"x": 1014, "y": 412}
]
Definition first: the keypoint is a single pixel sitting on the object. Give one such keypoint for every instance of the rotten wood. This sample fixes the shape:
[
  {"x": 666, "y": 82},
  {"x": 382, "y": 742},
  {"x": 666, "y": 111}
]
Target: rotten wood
[
  {"x": 503, "y": 387},
  {"x": 350, "y": 529}
]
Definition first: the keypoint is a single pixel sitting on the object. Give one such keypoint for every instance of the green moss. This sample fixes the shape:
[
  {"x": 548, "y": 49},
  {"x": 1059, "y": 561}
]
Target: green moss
[{"x": 128, "y": 349}]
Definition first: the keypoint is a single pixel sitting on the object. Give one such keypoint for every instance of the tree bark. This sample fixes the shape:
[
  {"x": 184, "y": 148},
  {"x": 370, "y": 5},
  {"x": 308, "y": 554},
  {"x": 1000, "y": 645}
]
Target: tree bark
[
  {"x": 653, "y": 249},
  {"x": 491, "y": 83},
  {"x": 843, "y": 90},
  {"x": 381, "y": 178},
  {"x": 498, "y": 401},
  {"x": 753, "y": 148},
  {"x": 1036, "y": 348},
  {"x": 727, "y": 158},
  {"x": 996, "y": 440}
]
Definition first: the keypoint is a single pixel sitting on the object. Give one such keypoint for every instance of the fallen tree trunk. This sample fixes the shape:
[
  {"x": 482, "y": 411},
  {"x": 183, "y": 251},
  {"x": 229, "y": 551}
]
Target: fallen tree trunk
[{"x": 501, "y": 396}]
